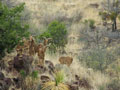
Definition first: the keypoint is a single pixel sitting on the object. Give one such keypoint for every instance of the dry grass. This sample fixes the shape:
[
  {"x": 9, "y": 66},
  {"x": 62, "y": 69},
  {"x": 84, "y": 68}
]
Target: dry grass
[
  {"x": 95, "y": 78},
  {"x": 44, "y": 11}
]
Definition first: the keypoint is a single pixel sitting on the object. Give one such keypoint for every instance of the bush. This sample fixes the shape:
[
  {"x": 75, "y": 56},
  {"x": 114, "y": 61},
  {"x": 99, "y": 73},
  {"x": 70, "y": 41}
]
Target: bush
[
  {"x": 58, "y": 33},
  {"x": 11, "y": 28},
  {"x": 57, "y": 84},
  {"x": 114, "y": 85},
  {"x": 98, "y": 59},
  {"x": 59, "y": 77},
  {"x": 90, "y": 22}
]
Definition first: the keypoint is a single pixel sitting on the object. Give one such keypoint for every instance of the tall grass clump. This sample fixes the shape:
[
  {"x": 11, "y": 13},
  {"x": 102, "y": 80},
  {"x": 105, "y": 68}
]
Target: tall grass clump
[{"x": 57, "y": 84}]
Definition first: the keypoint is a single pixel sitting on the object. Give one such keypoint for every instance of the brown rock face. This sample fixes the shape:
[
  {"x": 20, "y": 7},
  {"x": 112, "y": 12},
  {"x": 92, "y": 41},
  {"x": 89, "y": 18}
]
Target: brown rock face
[
  {"x": 44, "y": 78},
  {"x": 84, "y": 83},
  {"x": 50, "y": 66},
  {"x": 17, "y": 82},
  {"x": 23, "y": 63},
  {"x": 5, "y": 83},
  {"x": 8, "y": 81},
  {"x": 66, "y": 60}
]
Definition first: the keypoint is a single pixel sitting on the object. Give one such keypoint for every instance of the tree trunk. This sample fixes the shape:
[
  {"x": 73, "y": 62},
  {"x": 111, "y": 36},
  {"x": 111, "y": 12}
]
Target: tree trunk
[
  {"x": 115, "y": 22},
  {"x": 114, "y": 25}
]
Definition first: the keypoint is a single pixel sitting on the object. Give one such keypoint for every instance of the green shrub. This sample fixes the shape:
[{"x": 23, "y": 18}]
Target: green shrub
[
  {"x": 90, "y": 22},
  {"x": 34, "y": 74},
  {"x": 57, "y": 32},
  {"x": 11, "y": 27},
  {"x": 58, "y": 84},
  {"x": 22, "y": 73},
  {"x": 59, "y": 77},
  {"x": 97, "y": 59},
  {"x": 114, "y": 85},
  {"x": 102, "y": 87}
]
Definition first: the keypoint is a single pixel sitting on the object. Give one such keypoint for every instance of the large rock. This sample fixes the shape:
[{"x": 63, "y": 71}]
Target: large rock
[
  {"x": 44, "y": 78},
  {"x": 5, "y": 84},
  {"x": 80, "y": 83},
  {"x": 41, "y": 69},
  {"x": 17, "y": 82},
  {"x": 50, "y": 66},
  {"x": 8, "y": 81},
  {"x": 23, "y": 63}
]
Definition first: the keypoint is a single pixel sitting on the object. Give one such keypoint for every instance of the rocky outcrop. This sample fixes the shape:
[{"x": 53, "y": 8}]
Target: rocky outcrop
[
  {"x": 80, "y": 83},
  {"x": 23, "y": 63},
  {"x": 44, "y": 78}
]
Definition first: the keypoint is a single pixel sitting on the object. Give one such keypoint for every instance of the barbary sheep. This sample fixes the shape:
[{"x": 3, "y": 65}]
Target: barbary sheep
[{"x": 66, "y": 60}]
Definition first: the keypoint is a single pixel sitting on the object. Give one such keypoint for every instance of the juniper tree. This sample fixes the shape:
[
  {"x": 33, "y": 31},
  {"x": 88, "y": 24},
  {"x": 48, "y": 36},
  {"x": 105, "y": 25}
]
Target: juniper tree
[
  {"x": 12, "y": 28},
  {"x": 111, "y": 11}
]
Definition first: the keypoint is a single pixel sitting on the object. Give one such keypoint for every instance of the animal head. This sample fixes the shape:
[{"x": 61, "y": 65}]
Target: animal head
[{"x": 46, "y": 40}]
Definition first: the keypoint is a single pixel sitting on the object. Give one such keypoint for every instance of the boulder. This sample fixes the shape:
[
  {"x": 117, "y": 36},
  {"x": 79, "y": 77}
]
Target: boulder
[
  {"x": 41, "y": 69},
  {"x": 45, "y": 78},
  {"x": 8, "y": 81},
  {"x": 17, "y": 82},
  {"x": 5, "y": 84},
  {"x": 84, "y": 83},
  {"x": 23, "y": 63},
  {"x": 50, "y": 66}
]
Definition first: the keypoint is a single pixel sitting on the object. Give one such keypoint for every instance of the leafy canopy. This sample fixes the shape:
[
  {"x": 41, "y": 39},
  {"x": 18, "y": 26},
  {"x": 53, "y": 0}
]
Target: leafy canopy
[
  {"x": 57, "y": 32},
  {"x": 11, "y": 27}
]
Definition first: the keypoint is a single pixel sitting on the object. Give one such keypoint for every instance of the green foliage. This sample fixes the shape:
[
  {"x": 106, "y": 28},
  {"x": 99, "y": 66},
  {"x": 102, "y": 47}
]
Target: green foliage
[
  {"x": 104, "y": 15},
  {"x": 11, "y": 28},
  {"x": 22, "y": 73},
  {"x": 113, "y": 15},
  {"x": 114, "y": 85},
  {"x": 58, "y": 33},
  {"x": 90, "y": 22},
  {"x": 98, "y": 59},
  {"x": 34, "y": 74},
  {"x": 109, "y": 16},
  {"x": 111, "y": 12},
  {"x": 59, "y": 77},
  {"x": 102, "y": 87}
]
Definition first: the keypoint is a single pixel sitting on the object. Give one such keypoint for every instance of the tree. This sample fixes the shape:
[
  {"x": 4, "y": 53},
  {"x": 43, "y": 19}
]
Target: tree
[
  {"x": 11, "y": 28},
  {"x": 58, "y": 33},
  {"x": 111, "y": 11}
]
